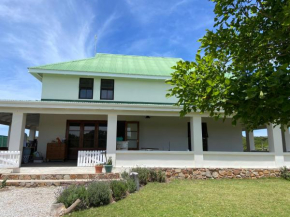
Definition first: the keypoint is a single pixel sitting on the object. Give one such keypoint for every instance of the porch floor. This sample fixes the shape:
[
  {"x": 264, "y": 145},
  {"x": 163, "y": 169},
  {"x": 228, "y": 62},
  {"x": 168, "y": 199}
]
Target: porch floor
[{"x": 56, "y": 167}]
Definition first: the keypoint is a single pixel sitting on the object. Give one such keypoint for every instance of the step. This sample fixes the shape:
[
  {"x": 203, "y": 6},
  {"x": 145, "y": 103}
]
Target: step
[
  {"x": 48, "y": 183},
  {"x": 98, "y": 176}
]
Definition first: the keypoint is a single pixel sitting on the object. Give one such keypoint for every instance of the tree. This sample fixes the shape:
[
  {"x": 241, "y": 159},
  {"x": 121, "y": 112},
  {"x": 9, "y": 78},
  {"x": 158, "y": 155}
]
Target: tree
[{"x": 242, "y": 67}]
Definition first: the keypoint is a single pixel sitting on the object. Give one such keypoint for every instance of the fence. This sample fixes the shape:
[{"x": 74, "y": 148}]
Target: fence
[
  {"x": 10, "y": 159},
  {"x": 91, "y": 158}
]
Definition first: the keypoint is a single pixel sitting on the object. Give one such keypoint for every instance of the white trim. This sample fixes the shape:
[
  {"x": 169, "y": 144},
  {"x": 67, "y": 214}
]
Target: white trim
[
  {"x": 35, "y": 72},
  {"x": 237, "y": 153},
  {"x": 155, "y": 152}
]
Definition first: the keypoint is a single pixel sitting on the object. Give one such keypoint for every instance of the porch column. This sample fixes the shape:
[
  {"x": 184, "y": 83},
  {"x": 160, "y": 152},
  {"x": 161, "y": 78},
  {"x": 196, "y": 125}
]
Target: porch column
[
  {"x": 112, "y": 137},
  {"x": 8, "y": 137},
  {"x": 251, "y": 140},
  {"x": 17, "y": 131},
  {"x": 276, "y": 143},
  {"x": 196, "y": 141},
  {"x": 32, "y": 132},
  {"x": 286, "y": 139}
]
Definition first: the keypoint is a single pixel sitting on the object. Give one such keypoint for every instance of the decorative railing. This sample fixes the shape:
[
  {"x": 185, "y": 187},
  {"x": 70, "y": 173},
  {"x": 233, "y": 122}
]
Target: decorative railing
[
  {"x": 91, "y": 158},
  {"x": 10, "y": 159}
]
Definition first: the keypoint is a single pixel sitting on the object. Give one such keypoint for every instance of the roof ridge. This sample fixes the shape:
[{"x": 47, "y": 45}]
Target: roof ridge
[
  {"x": 53, "y": 64},
  {"x": 138, "y": 56}
]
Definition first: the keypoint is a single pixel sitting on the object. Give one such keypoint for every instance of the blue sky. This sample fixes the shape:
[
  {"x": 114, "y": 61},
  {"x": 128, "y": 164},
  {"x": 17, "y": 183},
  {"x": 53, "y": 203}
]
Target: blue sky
[{"x": 37, "y": 32}]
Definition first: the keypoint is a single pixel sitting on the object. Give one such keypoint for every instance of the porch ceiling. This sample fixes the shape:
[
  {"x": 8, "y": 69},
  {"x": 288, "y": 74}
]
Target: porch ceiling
[{"x": 32, "y": 120}]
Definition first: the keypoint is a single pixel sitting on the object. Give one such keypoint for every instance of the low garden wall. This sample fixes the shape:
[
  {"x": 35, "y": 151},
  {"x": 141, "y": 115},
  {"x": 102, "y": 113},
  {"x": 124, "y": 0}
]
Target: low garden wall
[{"x": 219, "y": 173}]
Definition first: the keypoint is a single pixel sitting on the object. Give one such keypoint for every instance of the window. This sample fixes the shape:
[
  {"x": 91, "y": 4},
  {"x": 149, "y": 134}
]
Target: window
[
  {"x": 107, "y": 89},
  {"x": 86, "y": 88}
]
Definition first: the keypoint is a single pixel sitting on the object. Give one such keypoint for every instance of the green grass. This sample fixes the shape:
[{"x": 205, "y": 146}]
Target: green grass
[{"x": 264, "y": 197}]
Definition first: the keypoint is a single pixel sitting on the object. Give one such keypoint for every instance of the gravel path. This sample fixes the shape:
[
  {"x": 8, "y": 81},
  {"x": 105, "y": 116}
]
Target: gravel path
[{"x": 26, "y": 202}]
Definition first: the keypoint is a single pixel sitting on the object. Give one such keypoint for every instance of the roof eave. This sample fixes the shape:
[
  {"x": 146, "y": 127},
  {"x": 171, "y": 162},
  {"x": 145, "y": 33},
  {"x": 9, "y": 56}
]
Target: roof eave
[{"x": 35, "y": 72}]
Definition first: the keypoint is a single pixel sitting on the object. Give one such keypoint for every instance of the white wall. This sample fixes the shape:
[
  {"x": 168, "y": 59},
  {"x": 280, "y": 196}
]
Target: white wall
[
  {"x": 173, "y": 159},
  {"x": 126, "y": 89},
  {"x": 159, "y": 132},
  {"x": 223, "y": 136}
]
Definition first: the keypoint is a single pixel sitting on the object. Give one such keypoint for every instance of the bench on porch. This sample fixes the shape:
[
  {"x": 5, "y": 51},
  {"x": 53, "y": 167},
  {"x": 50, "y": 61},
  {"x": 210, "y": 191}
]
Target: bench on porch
[
  {"x": 91, "y": 158},
  {"x": 10, "y": 159}
]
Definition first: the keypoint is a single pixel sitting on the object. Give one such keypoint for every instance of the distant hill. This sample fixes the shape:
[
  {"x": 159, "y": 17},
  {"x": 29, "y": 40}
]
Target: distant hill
[{"x": 261, "y": 143}]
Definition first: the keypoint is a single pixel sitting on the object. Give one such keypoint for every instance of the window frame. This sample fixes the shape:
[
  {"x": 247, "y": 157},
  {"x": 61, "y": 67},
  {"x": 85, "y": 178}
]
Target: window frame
[
  {"x": 80, "y": 88},
  {"x": 107, "y": 89}
]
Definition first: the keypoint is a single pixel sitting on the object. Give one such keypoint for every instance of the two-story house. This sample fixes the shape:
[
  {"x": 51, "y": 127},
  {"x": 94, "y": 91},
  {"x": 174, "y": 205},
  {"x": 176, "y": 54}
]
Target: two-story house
[{"x": 92, "y": 103}]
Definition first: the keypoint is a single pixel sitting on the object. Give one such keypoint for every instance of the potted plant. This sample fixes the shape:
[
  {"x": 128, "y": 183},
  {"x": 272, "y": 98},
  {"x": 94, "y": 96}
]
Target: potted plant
[
  {"x": 98, "y": 168},
  {"x": 109, "y": 165}
]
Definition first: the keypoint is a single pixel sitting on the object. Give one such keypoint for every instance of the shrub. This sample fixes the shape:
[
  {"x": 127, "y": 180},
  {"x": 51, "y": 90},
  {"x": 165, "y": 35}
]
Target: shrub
[
  {"x": 161, "y": 176},
  {"x": 153, "y": 175},
  {"x": 3, "y": 183},
  {"x": 143, "y": 174},
  {"x": 70, "y": 194},
  {"x": 285, "y": 173},
  {"x": 99, "y": 194},
  {"x": 119, "y": 189},
  {"x": 125, "y": 175},
  {"x": 131, "y": 185}
]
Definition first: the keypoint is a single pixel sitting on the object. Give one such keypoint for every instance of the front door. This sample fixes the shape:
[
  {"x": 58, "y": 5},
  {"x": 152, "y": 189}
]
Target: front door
[{"x": 85, "y": 135}]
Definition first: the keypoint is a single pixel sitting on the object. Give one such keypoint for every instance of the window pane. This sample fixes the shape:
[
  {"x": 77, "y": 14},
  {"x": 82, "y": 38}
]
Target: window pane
[
  {"x": 83, "y": 93},
  {"x": 104, "y": 94},
  {"x": 132, "y": 144},
  {"x": 132, "y": 126},
  {"x": 107, "y": 83},
  {"x": 89, "y": 94},
  {"x": 131, "y": 135},
  {"x": 102, "y": 144},
  {"x": 102, "y": 136},
  {"x": 73, "y": 138},
  {"x": 110, "y": 94},
  {"x": 86, "y": 82},
  {"x": 89, "y": 143},
  {"x": 74, "y": 126}
]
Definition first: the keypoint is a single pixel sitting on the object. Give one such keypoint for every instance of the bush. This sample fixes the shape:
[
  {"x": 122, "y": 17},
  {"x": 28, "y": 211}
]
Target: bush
[
  {"x": 132, "y": 187},
  {"x": 143, "y": 174},
  {"x": 285, "y": 174},
  {"x": 119, "y": 189},
  {"x": 161, "y": 176},
  {"x": 99, "y": 194},
  {"x": 70, "y": 194},
  {"x": 153, "y": 175},
  {"x": 125, "y": 175}
]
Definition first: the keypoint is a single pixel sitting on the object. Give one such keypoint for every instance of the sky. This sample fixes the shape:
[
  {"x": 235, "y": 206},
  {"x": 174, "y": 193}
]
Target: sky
[{"x": 38, "y": 32}]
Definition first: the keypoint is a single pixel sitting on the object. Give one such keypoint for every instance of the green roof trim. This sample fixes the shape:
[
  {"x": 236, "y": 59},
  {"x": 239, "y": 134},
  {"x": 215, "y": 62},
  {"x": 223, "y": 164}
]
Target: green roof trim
[
  {"x": 105, "y": 101},
  {"x": 117, "y": 64}
]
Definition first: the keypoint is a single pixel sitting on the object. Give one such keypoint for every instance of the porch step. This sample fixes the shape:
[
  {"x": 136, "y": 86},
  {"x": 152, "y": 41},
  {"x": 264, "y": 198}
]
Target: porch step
[
  {"x": 48, "y": 183},
  {"x": 29, "y": 177}
]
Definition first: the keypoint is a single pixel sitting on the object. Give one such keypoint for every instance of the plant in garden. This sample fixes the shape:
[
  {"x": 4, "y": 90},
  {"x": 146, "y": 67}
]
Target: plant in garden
[
  {"x": 125, "y": 175},
  {"x": 70, "y": 194},
  {"x": 119, "y": 189},
  {"x": 131, "y": 185},
  {"x": 3, "y": 183},
  {"x": 285, "y": 174},
  {"x": 242, "y": 67},
  {"x": 143, "y": 174},
  {"x": 99, "y": 194}
]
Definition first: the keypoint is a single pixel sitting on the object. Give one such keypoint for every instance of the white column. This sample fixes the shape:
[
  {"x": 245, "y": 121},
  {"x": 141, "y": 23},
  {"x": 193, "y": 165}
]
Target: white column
[
  {"x": 32, "y": 132},
  {"x": 251, "y": 141},
  {"x": 17, "y": 131},
  {"x": 112, "y": 137},
  {"x": 276, "y": 143},
  {"x": 287, "y": 139},
  {"x": 196, "y": 139},
  {"x": 8, "y": 137}
]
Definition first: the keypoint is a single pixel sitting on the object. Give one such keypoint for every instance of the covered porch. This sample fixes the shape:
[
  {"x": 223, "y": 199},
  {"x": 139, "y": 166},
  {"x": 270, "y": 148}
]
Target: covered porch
[{"x": 156, "y": 136}]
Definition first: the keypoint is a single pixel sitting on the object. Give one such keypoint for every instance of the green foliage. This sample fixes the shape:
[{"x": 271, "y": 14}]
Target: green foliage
[
  {"x": 242, "y": 67},
  {"x": 125, "y": 175},
  {"x": 109, "y": 162},
  {"x": 3, "y": 183},
  {"x": 285, "y": 174},
  {"x": 119, "y": 189},
  {"x": 143, "y": 174},
  {"x": 99, "y": 194},
  {"x": 131, "y": 185},
  {"x": 261, "y": 143},
  {"x": 149, "y": 175},
  {"x": 70, "y": 194}
]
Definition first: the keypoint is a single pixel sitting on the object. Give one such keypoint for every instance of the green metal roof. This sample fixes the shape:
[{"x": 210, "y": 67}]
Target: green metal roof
[{"x": 118, "y": 64}]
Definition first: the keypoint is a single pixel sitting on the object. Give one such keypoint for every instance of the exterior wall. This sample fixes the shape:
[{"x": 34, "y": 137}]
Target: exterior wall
[
  {"x": 163, "y": 133},
  {"x": 223, "y": 136},
  {"x": 66, "y": 87},
  {"x": 53, "y": 126},
  {"x": 154, "y": 159}
]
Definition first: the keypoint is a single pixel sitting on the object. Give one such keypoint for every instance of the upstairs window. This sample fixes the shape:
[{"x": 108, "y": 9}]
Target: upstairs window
[
  {"x": 86, "y": 88},
  {"x": 107, "y": 89}
]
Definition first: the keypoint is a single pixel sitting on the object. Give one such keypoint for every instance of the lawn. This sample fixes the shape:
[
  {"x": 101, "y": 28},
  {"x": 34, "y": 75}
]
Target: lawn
[{"x": 264, "y": 197}]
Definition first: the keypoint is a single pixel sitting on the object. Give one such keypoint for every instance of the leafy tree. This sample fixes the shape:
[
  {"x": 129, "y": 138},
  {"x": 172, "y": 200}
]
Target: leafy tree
[{"x": 242, "y": 67}]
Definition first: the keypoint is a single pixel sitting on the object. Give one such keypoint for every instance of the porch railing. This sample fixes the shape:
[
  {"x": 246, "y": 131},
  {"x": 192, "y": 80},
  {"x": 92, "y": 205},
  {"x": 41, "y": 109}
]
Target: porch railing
[
  {"x": 91, "y": 158},
  {"x": 10, "y": 159}
]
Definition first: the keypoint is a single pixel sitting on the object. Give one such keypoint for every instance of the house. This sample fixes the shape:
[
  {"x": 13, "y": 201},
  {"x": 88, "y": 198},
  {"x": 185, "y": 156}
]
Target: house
[{"x": 92, "y": 102}]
